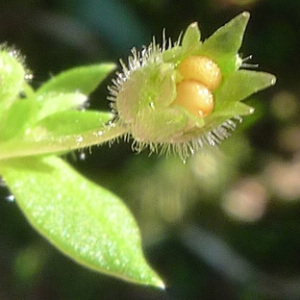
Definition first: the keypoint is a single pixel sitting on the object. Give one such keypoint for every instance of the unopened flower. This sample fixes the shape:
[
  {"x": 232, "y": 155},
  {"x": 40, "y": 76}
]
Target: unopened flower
[{"x": 178, "y": 97}]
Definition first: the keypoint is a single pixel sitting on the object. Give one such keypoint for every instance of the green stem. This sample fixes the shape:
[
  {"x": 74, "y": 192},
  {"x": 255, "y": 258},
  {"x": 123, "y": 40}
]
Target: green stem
[{"x": 56, "y": 145}]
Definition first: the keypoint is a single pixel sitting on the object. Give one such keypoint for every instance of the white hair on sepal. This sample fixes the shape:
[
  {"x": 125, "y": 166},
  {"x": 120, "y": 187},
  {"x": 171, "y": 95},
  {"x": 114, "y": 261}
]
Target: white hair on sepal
[{"x": 246, "y": 65}]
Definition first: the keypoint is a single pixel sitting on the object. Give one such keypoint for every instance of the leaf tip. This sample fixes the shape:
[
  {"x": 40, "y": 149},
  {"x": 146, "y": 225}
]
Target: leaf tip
[
  {"x": 161, "y": 285},
  {"x": 194, "y": 25},
  {"x": 158, "y": 283},
  {"x": 151, "y": 278},
  {"x": 110, "y": 67},
  {"x": 245, "y": 15},
  {"x": 242, "y": 19},
  {"x": 273, "y": 79}
]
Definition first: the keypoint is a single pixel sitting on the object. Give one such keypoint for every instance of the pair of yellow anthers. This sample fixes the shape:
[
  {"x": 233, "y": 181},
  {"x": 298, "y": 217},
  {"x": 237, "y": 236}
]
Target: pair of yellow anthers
[{"x": 200, "y": 77}]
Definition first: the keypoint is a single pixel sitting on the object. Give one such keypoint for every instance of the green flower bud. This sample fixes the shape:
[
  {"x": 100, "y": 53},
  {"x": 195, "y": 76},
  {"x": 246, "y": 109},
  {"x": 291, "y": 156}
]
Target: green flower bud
[{"x": 182, "y": 96}]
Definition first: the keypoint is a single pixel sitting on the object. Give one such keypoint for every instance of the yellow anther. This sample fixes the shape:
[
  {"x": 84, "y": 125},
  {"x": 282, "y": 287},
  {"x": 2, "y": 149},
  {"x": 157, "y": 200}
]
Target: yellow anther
[
  {"x": 194, "y": 97},
  {"x": 201, "y": 69}
]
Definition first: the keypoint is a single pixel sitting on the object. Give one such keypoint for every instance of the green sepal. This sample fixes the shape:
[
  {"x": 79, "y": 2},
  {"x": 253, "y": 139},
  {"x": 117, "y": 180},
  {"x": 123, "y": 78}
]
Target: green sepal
[
  {"x": 191, "y": 39},
  {"x": 159, "y": 126},
  {"x": 160, "y": 91},
  {"x": 223, "y": 45},
  {"x": 239, "y": 85},
  {"x": 189, "y": 45}
]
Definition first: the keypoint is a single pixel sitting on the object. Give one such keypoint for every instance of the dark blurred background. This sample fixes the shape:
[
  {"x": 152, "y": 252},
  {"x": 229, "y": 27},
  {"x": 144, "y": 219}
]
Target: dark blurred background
[{"x": 226, "y": 224}]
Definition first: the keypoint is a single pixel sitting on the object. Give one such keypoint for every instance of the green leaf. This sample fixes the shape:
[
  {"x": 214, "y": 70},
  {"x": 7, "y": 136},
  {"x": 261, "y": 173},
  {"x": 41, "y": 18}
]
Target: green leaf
[
  {"x": 75, "y": 130},
  {"x": 53, "y": 103},
  {"x": 16, "y": 119},
  {"x": 224, "y": 44},
  {"x": 81, "y": 79},
  {"x": 73, "y": 122},
  {"x": 83, "y": 220},
  {"x": 24, "y": 114}
]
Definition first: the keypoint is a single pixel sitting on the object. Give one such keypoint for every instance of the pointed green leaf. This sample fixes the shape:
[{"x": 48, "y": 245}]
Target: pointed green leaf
[
  {"x": 16, "y": 119},
  {"x": 81, "y": 79},
  {"x": 38, "y": 140},
  {"x": 83, "y": 220},
  {"x": 224, "y": 44},
  {"x": 24, "y": 114},
  {"x": 73, "y": 122},
  {"x": 54, "y": 103}
]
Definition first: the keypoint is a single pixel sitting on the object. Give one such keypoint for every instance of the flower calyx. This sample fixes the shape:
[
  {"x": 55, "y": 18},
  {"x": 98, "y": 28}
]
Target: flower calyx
[{"x": 178, "y": 97}]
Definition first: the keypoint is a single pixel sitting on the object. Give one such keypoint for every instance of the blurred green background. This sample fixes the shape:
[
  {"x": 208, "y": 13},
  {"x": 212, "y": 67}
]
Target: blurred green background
[{"x": 226, "y": 224}]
